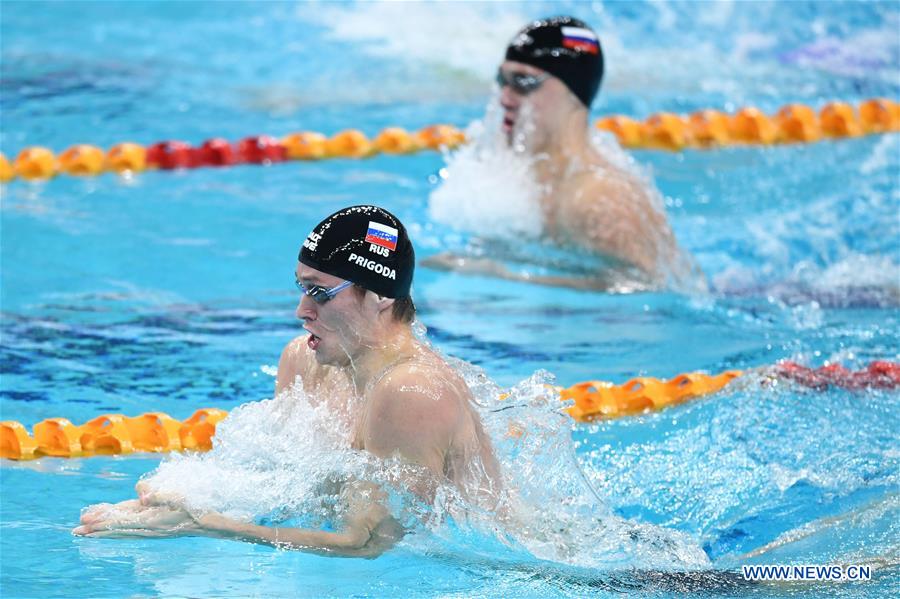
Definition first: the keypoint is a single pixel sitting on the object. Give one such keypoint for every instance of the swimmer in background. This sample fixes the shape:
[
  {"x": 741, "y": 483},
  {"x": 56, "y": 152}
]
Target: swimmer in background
[
  {"x": 361, "y": 358},
  {"x": 551, "y": 74}
]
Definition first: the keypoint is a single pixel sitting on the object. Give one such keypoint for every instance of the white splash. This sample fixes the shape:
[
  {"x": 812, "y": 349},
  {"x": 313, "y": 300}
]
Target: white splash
[
  {"x": 491, "y": 197},
  {"x": 466, "y": 37},
  {"x": 860, "y": 270},
  {"x": 285, "y": 459},
  {"x": 488, "y": 188},
  {"x": 272, "y": 456}
]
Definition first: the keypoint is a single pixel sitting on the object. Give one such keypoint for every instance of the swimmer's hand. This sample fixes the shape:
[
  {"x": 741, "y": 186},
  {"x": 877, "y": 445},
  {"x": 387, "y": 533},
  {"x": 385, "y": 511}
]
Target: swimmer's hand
[
  {"x": 133, "y": 519},
  {"x": 149, "y": 497}
]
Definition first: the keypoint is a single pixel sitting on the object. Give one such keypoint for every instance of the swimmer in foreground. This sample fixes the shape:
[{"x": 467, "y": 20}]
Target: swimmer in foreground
[
  {"x": 360, "y": 356},
  {"x": 550, "y": 77}
]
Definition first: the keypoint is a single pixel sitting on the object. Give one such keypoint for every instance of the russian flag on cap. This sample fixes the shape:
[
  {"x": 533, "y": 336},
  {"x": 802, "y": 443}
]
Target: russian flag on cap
[
  {"x": 579, "y": 38},
  {"x": 382, "y": 235}
]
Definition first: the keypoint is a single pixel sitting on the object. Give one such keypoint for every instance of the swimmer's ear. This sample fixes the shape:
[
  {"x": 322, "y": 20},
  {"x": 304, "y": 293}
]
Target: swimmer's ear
[{"x": 384, "y": 303}]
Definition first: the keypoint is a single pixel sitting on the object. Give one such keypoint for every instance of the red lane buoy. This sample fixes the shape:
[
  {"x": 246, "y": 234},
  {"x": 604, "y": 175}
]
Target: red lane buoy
[
  {"x": 171, "y": 155},
  {"x": 216, "y": 152},
  {"x": 878, "y": 374},
  {"x": 261, "y": 149},
  {"x": 882, "y": 374}
]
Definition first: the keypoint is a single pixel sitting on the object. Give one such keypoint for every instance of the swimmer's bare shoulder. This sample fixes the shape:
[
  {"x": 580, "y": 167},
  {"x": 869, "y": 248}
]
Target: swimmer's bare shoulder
[
  {"x": 611, "y": 210},
  {"x": 297, "y": 359},
  {"x": 424, "y": 411},
  {"x": 417, "y": 408}
]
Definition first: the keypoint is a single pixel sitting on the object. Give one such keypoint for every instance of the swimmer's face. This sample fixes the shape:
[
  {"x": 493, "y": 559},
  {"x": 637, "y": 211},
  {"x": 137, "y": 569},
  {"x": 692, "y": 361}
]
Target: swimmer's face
[
  {"x": 341, "y": 327},
  {"x": 535, "y": 115}
]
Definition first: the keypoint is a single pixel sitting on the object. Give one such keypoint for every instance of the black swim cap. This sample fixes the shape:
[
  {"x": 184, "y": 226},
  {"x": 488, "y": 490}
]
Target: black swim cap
[
  {"x": 567, "y": 49},
  {"x": 366, "y": 245}
]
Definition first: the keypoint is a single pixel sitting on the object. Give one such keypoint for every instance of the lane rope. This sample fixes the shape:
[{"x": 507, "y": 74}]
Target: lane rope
[
  {"x": 589, "y": 401},
  {"x": 704, "y": 129}
]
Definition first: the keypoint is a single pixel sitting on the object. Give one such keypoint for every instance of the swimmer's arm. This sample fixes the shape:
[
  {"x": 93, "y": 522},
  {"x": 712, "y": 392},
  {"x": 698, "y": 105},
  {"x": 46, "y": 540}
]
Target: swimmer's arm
[
  {"x": 488, "y": 267},
  {"x": 369, "y": 529}
]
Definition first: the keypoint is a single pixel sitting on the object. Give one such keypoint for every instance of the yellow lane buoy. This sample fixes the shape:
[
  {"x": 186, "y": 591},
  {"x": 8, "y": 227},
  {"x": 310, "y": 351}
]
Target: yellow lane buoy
[
  {"x": 126, "y": 158},
  {"x": 351, "y": 143},
  {"x": 436, "y": 137},
  {"x": 305, "y": 145},
  {"x": 751, "y": 126},
  {"x": 667, "y": 131},
  {"x": 629, "y": 132},
  {"x": 7, "y": 173},
  {"x": 709, "y": 128},
  {"x": 838, "y": 119},
  {"x": 35, "y": 164},
  {"x": 395, "y": 140},
  {"x": 58, "y": 437},
  {"x": 703, "y": 129},
  {"x": 879, "y": 115},
  {"x": 797, "y": 123},
  {"x": 82, "y": 160},
  {"x": 15, "y": 442}
]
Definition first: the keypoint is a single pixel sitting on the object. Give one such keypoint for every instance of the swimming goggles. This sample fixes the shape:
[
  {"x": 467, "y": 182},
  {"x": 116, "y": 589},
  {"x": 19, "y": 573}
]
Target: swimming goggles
[
  {"x": 320, "y": 294},
  {"x": 520, "y": 83}
]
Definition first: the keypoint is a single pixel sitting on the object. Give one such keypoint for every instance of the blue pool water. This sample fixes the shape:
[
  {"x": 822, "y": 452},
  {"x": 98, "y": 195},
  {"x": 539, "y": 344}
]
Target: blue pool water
[{"x": 174, "y": 291}]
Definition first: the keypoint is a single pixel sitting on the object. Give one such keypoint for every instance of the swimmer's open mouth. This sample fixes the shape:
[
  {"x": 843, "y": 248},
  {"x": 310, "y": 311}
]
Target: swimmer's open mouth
[
  {"x": 508, "y": 123},
  {"x": 313, "y": 342}
]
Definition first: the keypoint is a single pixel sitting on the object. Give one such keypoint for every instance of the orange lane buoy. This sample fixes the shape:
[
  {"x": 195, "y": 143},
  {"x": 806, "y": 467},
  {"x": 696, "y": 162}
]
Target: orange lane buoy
[
  {"x": 107, "y": 434},
  {"x": 197, "y": 431},
  {"x": 82, "y": 160},
  {"x": 58, "y": 437},
  {"x": 628, "y": 131},
  {"x": 126, "y": 158},
  {"x": 350, "y": 143},
  {"x": 305, "y": 145},
  {"x": 15, "y": 442},
  {"x": 797, "y": 123},
  {"x": 751, "y": 126},
  {"x": 709, "y": 128},
  {"x": 838, "y": 119},
  {"x": 879, "y": 115},
  {"x": 667, "y": 131},
  {"x": 395, "y": 140},
  {"x": 6, "y": 170},
  {"x": 154, "y": 431},
  {"x": 35, "y": 163},
  {"x": 437, "y": 137}
]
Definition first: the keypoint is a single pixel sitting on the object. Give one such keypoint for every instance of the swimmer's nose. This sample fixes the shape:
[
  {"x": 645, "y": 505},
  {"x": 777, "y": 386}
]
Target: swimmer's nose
[
  {"x": 508, "y": 98},
  {"x": 306, "y": 309}
]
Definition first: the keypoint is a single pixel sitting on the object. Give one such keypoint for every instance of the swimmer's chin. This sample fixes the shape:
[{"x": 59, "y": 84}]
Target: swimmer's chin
[{"x": 324, "y": 357}]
